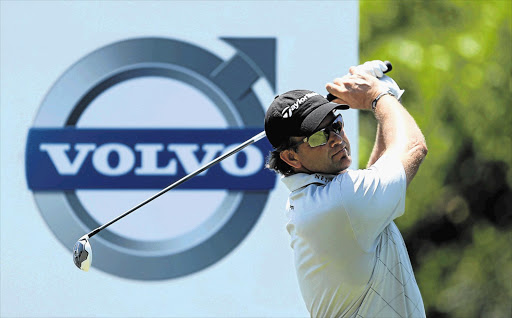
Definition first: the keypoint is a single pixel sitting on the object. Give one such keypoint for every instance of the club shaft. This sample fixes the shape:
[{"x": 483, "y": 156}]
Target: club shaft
[{"x": 177, "y": 183}]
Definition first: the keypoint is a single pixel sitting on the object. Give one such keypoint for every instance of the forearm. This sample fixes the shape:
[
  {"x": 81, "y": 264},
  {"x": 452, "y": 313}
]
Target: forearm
[
  {"x": 398, "y": 134},
  {"x": 378, "y": 148}
]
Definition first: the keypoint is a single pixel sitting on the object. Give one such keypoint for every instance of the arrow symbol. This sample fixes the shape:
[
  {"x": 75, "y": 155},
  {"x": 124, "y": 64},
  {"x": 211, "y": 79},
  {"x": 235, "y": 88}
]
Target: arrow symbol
[{"x": 255, "y": 58}]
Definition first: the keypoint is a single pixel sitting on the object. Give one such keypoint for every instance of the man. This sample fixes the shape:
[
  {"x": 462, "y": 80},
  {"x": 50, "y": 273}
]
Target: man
[{"x": 350, "y": 258}]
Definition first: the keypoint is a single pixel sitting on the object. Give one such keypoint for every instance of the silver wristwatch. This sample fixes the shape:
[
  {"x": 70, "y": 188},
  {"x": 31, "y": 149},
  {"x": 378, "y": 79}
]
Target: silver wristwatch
[{"x": 374, "y": 103}]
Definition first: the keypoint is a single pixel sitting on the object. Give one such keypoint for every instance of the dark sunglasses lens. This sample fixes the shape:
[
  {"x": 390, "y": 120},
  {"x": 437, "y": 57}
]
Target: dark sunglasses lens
[{"x": 336, "y": 127}]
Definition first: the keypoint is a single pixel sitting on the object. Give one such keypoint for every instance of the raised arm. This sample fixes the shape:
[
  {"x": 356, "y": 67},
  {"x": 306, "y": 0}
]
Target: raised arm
[
  {"x": 378, "y": 147},
  {"x": 397, "y": 132}
]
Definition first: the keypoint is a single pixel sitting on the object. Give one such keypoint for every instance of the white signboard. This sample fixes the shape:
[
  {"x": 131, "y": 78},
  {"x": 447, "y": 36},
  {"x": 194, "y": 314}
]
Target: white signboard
[{"x": 105, "y": 103}]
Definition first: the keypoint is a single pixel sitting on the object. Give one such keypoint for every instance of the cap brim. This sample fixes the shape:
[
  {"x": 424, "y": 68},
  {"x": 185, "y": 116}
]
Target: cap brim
[{"x": 315, "y": 118}]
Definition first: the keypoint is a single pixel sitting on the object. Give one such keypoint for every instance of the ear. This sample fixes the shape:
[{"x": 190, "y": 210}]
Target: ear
[{"x": 291, "y": 158}]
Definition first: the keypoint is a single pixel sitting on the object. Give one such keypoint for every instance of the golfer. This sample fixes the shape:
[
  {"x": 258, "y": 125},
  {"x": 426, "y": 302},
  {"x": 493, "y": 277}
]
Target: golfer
[{"x": 350, "y": 258}]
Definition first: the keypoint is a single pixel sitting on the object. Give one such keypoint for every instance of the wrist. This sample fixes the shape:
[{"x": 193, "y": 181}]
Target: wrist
[{"x": 376, "y": 100}]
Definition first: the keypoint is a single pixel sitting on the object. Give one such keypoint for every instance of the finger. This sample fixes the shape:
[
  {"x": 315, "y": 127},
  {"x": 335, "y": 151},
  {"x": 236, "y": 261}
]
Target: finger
[
  {"x": 333, "y": 99},
  {"x": 340, "y": 101},
  {"x": 383, "y": 66},
  {"x": 356, "y": 72},
  {"x": 353, "y": 70},
  {"x": 336, "y": 90},
  {"x": 379, "y": 67},
  {"x": 341, "y": 80},
  {"x": 369, "y": 67}
]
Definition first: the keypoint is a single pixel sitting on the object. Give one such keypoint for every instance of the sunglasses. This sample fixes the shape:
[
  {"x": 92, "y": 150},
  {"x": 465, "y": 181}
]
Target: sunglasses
[{"x": 320, "y": 137}]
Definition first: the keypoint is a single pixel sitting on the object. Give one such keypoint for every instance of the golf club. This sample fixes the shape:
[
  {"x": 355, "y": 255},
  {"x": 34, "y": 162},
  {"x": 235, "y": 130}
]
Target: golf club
[{"x": 82, "y": 251}]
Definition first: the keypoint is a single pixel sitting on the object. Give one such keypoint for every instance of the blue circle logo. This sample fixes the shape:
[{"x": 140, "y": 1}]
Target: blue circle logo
[{"x": 133, "y": 117}]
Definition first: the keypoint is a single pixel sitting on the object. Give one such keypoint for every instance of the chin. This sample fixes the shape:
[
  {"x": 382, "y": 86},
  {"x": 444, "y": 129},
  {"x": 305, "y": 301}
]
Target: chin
[{"x": 345, "y": 163}]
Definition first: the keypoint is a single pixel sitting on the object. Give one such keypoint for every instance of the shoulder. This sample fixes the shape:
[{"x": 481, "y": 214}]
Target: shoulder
[
  {"x": 381, "y": 187},
  {"x": 388, "y": 169}
]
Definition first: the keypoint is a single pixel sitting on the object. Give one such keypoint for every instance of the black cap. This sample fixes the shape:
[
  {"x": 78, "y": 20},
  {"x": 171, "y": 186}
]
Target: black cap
[{"x": 296, "y": 113}]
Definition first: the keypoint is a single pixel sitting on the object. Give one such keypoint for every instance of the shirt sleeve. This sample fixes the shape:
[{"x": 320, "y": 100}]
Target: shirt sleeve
[{"x": 373, "y": 198}]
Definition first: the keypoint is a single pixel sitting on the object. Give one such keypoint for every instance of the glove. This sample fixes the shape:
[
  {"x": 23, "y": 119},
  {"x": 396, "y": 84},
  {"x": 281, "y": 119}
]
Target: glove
[
  {"x": 392, "y": 86},
  {"x": 377, "y": 68}
]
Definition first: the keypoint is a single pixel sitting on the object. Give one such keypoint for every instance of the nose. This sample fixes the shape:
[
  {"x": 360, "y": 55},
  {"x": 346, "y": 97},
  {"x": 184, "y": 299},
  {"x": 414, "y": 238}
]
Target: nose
[{"x": 334, "y": 138}]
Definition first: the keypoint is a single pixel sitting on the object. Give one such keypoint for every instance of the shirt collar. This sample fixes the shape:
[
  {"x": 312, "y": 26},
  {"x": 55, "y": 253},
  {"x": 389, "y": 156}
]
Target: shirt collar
[{"x": 301, "y": 180}]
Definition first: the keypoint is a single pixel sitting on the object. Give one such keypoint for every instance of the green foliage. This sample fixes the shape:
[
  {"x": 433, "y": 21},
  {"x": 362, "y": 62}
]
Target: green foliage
[{"x": 454, "y": 60}]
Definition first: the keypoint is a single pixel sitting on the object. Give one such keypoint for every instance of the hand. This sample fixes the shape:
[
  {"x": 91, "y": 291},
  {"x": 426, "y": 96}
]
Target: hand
[
  {"x": 375, "y": 68},
  {"x": 392, "y": 86},
  {"x": 357, "y": 89}
]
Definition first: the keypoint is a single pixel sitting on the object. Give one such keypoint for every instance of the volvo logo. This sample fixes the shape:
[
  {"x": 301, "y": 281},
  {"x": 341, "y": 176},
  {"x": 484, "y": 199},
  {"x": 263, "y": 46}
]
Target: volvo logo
[{"x": 133, "y": 117}]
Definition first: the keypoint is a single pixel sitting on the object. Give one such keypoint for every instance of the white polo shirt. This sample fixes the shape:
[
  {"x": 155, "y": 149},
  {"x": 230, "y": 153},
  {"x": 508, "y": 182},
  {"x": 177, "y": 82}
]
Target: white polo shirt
[{"x": 350, "y": 258}]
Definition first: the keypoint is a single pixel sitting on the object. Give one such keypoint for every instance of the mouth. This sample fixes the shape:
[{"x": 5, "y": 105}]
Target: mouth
[{"x": 343, "y": 152}]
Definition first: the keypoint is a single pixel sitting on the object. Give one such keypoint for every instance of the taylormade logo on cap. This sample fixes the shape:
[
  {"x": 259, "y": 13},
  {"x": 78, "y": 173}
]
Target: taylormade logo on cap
[{"x": 288, "y": 111}]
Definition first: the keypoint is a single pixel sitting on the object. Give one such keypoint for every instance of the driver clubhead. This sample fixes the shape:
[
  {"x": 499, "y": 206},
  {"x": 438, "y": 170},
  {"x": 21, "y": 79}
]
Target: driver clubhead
[{"x": 82, "y": 253}]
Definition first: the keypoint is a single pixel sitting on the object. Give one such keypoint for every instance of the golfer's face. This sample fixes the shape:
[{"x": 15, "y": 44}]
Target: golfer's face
[{"x": 330, "y": 158}]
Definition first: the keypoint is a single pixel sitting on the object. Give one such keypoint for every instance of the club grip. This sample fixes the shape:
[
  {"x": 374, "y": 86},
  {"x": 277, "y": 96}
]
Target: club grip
[{"x": 330, "y": 97}]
